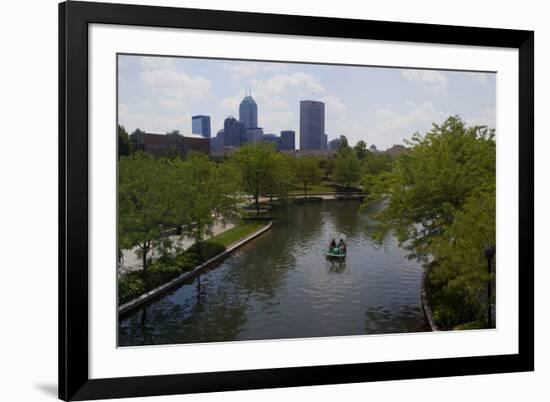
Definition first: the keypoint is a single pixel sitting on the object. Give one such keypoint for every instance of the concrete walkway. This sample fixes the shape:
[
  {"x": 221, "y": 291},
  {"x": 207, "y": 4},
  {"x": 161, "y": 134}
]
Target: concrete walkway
[
  {"x": 324, "y": 196},
  {"x": 134, "y": 263}
]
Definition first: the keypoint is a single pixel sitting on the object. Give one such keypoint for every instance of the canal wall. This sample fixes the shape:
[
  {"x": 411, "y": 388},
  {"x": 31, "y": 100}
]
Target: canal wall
[
  {"x": 423, "y": 295},
  {"x": 191, "y": 274}
]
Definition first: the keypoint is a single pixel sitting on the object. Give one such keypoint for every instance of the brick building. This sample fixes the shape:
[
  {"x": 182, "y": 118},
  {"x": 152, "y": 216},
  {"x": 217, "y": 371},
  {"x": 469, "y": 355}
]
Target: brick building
[{"x": 160, "y": 145}]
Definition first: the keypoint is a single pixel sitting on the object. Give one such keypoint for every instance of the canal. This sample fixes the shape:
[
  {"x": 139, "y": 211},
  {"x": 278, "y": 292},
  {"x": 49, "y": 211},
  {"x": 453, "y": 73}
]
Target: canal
[{"x": 280, "y": 285}]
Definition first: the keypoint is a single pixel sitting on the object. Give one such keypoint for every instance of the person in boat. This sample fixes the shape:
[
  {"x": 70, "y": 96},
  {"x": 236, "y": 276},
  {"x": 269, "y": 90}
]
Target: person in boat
[
  {"x": 341, "y": 247},
  {"x": 332, "y": 245}
]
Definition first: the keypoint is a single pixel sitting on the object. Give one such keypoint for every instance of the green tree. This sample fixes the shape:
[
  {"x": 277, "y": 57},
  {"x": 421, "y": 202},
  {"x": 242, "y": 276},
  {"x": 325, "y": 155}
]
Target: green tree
[
  {"x": 145, "y": 202},
  {"x": 347, "y": 170},
  {"x": 173, "y": 153},
  {"x": 343, "y": 144},
  {"x": 440, "y": 202},
  {"x": 256, "y": 164},
  {"x": 123, "y": 141},
  {"x": 431, "y": 182},
  {"x": 307, "y": 171},
  {"x": 327, "y": 166},
  {"x": 459, "y": 275},
  {"x": 376, "y": 163},
  {"x": 208, "y": 191},
  {"x": 227, "y": 184},
  {"x": 361, "y": 149},
  {"x": 282, "y": 179}
]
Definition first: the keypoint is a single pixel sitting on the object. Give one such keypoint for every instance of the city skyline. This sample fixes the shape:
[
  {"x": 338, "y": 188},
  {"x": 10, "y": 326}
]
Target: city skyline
[{"x": 381, "y": 106}]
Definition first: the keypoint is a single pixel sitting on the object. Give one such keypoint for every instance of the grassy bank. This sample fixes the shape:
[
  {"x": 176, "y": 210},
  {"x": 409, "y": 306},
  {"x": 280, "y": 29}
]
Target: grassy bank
[
  {"x": 324, "y": 187},
  {"x": 133, "y": 284},
  {"x": 237, "y": 233}
]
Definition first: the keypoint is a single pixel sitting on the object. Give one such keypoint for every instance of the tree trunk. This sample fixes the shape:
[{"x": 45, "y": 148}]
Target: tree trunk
[
  {"x": 199, "y": 247},
  {"x": 145, "y": 250},
  {"x": 256, "y": 198}
]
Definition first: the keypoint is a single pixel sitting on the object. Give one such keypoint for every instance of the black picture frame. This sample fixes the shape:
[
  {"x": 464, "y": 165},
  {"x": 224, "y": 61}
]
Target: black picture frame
[{"x": 74, "y": 18}]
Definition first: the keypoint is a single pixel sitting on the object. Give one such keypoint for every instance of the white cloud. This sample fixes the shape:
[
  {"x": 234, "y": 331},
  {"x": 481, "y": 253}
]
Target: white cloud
[
  {"x": 153, "y": 123},
  {"x": 333, "y": 104},
  {"x": 275, "y": 119},
  {"x": 480, "y": 78},
  {"x": 279, "y": 83},
  {"x": 162, "y": 79},
  {"x": 485, "y": 117},
  {"x": 175, "y": 84},
  {"x": 435, "y": 80},
  {"x": 247, "y": 69},
  {"x": 230, "y": 104},
  {"x": 393, "y": 127},
  {"x": 145, "y": 104},
  {"x": 171, "y": 103},
  {"x": 156, "y": 63}
]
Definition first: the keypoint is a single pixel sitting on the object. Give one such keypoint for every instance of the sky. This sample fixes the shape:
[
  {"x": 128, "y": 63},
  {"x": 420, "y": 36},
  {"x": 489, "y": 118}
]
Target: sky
[{"x": 381, "y": 106}]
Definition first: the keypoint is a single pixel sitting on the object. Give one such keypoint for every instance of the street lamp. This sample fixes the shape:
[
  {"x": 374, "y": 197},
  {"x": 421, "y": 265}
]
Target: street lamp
[{"x": 489, "y": 252}]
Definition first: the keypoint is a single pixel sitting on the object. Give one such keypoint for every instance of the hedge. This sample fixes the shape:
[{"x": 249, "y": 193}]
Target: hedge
[{"x": 133, "y": 284}]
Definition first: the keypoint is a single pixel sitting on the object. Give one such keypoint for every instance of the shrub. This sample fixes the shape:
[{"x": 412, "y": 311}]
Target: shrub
[
  {"x": 161, "y": 272},
  {"x": 472, "y": 325},
  {"x": 186, "y": 261},
  {"x": 452, "y": 308},
  {"x": 205, "y": 250},
  {"x": 166, "y": 268},
  {"x": 130, "y": 286}
]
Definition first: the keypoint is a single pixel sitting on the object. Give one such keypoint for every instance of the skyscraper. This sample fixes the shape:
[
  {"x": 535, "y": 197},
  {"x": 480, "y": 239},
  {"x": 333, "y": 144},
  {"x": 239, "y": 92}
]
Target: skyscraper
[
  {"x": 201, "y": 125},
  {"x": 254, "y": 134},
  {"x": 287, "y": 140},
  {"x": 216, "y": 143},
  {"x": 248, "y": 112},
  {"x": 272, "y": 138},
  {"x": 234, "y": 133},
  {"x": 312, "y": 124}
]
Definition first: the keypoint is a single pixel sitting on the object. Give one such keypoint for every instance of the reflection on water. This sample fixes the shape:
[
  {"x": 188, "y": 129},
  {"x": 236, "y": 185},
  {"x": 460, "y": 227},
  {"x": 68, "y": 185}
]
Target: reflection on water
[{"x": 281, "y": 286}]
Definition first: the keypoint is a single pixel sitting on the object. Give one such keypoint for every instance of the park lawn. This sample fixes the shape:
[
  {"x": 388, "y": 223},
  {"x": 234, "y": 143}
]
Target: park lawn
[
  {"x": 323, "y": 187},
  {"x": 237, "y": 233}
]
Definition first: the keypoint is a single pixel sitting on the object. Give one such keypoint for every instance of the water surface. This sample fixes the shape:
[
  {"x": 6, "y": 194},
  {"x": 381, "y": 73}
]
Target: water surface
[{"x": 281, "y": 286}]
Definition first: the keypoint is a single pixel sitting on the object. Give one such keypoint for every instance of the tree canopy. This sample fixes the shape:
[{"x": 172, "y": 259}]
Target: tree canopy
[
  {"x": 145, "y": 202},
  {"x": 158, "y": 194},
  {"x": 307, "y": 171},
  {"x": 440, "y": 202},
  {"x": 360, "y": 149},
  {"x": 123, "y": 141},
  {"x": 256, "y": 163},
  {"x": 207, "y": 192},
  {"x": 347, "y": 169},
  {"x": 430, "y": 182}
]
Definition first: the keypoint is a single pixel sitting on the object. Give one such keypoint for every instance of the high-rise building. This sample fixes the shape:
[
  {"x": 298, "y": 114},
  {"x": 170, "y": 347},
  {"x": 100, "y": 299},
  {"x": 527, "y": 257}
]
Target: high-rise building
[
  {"x": 273, "y": 139},
  {"x": 248, "y": 112},
  {"x": 216, "y": 143},
  {"x": 201, "y": 125},
  {"x": 234, "y": 132},
  {"x": 312, "y": 124},
  {"x": 325, "y": 141},
  {"x": 254, "y": 134},
  {"x": 287, "y": 142}
]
